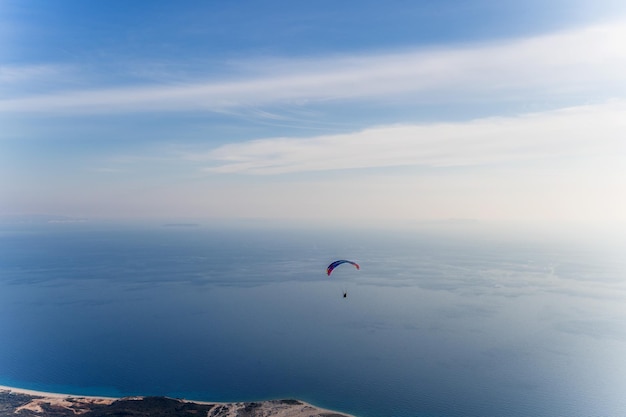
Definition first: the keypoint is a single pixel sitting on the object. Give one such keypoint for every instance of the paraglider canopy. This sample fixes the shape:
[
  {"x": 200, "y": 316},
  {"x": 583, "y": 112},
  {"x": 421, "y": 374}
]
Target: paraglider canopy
[{"x": 335, "y": 264}]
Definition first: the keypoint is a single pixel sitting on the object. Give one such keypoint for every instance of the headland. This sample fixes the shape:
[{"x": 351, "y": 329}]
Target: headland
[{"x": 22, "y": 402}]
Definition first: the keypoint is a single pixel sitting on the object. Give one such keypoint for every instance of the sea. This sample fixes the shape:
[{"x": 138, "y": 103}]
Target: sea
[{"x": 439, "y": 320}]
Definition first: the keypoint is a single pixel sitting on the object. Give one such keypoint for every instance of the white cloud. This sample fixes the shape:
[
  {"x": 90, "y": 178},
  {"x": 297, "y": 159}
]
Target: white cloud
[
  {"x": 23, "y": 77},
  {"x": 576, "y": 131},
  {"x": 13, "y": 73},
  {"x": 591, "y": 60}
]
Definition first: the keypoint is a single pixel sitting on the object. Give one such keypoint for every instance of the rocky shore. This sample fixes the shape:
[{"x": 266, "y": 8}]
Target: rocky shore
[{"x": 16, "y": 402}]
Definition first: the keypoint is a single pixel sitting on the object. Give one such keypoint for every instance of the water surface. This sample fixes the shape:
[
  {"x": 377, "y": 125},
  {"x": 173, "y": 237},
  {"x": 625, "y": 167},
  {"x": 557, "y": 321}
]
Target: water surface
[{"x": 434, "y": 324}]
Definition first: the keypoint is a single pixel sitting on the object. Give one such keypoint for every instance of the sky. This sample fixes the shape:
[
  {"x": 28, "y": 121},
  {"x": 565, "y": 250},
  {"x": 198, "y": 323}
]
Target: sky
[{"x": 353, "y": 111}]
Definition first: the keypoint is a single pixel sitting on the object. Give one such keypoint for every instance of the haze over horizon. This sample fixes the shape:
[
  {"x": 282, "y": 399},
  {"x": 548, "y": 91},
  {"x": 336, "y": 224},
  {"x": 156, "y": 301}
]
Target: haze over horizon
[{"x": 352, "y": 112}]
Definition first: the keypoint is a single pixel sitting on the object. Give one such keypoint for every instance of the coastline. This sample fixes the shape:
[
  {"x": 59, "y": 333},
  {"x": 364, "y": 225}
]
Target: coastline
[
  {"x": 21, "y": 401},
  {"x": 34, "y": 393}
]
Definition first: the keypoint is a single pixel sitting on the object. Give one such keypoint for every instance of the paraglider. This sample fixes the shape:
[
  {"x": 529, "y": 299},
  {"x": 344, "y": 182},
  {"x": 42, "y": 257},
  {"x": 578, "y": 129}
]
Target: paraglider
[{"x": 335, "y": 264}]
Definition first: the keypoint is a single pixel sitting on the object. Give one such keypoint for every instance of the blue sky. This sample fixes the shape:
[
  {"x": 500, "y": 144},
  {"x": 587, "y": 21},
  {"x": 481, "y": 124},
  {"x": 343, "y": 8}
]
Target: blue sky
[{"x": 333, "y": 111}]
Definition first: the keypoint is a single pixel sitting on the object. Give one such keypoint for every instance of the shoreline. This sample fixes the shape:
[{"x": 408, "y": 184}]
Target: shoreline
[
  {"x": 47, "y": 394},
  {"x": 41, "y": 402}
]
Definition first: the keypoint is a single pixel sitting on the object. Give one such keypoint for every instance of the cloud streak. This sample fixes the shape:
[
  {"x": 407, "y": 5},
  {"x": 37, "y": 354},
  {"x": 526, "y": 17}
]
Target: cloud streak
[
  {"x": 585, "y": 130},
  {"x": 585, "y": 60}
]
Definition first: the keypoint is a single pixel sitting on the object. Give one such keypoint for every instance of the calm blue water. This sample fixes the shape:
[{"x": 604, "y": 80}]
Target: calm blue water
[{"x": 433, "y": 325}]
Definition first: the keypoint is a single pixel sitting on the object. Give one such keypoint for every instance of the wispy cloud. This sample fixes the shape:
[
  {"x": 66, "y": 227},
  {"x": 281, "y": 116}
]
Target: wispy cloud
[
  {"x": 16, "y": 79},
  {"x": 589, "y": 60},
  {"x": 10, "y": 74},
  {"x": 585, "y": 130}
]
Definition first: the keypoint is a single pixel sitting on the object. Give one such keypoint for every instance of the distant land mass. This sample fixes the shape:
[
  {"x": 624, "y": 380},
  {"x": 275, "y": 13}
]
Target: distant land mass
[
  {"x": 181, "y": 225},
  {"x": 38, "y": 219},
  {"x": 17, "y": 402}
]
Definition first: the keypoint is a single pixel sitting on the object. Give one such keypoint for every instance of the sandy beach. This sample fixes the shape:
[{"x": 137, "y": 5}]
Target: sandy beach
[{"x": 23, "y": 402}]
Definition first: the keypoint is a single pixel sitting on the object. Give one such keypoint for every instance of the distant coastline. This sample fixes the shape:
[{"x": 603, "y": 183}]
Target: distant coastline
[{"x": 38, "y": 403}]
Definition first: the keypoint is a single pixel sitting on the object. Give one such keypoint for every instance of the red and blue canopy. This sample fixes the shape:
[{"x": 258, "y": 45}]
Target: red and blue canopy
[{"x": 335, "y": 264}]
